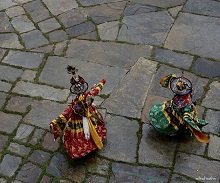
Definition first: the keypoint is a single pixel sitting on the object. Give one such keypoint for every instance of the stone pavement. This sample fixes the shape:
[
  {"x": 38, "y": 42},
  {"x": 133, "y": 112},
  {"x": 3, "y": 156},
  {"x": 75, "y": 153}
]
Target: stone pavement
[{"x": 132, "y": 44}]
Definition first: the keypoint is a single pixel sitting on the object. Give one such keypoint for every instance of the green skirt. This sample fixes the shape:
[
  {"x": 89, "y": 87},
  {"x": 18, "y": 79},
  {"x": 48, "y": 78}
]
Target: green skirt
[{"x": 160, "y": 121}]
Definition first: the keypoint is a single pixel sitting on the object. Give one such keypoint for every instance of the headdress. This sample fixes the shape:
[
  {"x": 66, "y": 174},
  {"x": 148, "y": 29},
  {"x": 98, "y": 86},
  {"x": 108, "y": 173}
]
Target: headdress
[
  {"x": 78, "y": 84},
  {"x": 181, "y": 85}
]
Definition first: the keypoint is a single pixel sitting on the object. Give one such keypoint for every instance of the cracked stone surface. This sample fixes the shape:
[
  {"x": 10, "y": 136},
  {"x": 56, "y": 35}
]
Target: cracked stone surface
[
  {"x": 24, "y": 59},
  {"x": 126, "y": 93},
  {"x": 130, "y": 43},
  {"x": 43, "y": 91},
  {"x": 156, "y": 149},
  {"x": 212, "y": 98},
  {"x": 117, "y": 149},
  {"x": 9, "y": 165},
  {"x": 190, "y": 35},
  {"x": 148, "y": 28}
]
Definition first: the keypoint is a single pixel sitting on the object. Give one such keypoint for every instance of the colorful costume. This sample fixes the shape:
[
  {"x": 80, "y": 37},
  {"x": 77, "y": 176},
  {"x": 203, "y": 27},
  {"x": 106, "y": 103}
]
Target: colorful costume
[
  {"x": 179, "y": 114},
  {"x": 82, "y": 124}
]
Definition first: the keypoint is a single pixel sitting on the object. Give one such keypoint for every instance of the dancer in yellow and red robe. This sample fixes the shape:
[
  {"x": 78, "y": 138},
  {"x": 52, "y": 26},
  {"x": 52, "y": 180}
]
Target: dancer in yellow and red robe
[{"x": 82, "y": 124}]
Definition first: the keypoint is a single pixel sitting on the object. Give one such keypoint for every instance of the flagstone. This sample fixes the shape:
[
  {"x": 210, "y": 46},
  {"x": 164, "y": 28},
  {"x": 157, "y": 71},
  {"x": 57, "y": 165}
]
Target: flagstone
[
  {"x": 107, "y": 53},
  {"x": 147, "y": 28},
  {"x": 57, "y": 7},
  {"x": 189, "y": 34},
  {"x": 24, "y": 59},
  {"x": 10, "y": 40},
  {"x": 132, "y": 90},
  {"x": 212, "y": 98}
]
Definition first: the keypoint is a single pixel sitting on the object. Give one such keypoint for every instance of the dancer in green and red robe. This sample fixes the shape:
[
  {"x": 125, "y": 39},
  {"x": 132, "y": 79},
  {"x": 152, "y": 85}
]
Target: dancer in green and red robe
[{"x": 178, "y": 114}]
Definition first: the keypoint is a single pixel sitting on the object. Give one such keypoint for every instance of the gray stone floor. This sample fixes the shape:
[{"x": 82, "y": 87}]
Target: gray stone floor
[{"x": 132, "y": 44}]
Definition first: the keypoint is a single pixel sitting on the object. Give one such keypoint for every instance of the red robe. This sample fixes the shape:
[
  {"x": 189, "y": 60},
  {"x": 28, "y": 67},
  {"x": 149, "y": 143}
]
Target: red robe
[{"x": 71, "y": 123}]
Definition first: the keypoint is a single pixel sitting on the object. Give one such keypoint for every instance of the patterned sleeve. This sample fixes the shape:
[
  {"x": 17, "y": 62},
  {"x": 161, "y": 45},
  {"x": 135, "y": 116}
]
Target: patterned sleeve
[
  {"x": 57, "y": 125},
  {"x": 97, "y": 88}
]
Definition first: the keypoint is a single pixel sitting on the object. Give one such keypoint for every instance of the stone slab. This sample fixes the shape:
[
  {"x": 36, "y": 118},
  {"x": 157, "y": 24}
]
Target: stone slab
[
  {"x": 49, "y": 25},
  {"x": 43, "y": 49},
  {"x": 148, "y": 28},
  {"x": 57, "y": 7},
  {"x": 214, "y": 147},
  {"x": 95, "y": 2},
  {"x": 132, "y": 90},
  {"x": 6, "y": 4},
  {"x": 5, "y": 25},
  {"x": 156, "y": 148},
  {"x": 177, "y": 59},
  {"x": 108, "y": 30},
  {"x": 19, "y": 104},
  {"x": 58, "y": 165},
  {"x": 58, "y": 35},
  {"x": 121, "y": 135},
  {"x": 10, "y": 40},
  {"x": 180, "y": 179},
  {"x": 107, "y": 53},
  {"x": 36, "y": 90},
  {"x": 30, "y": 41},
  {"x": 23, "y": 59},
  {"x": 91, "y": 72},
  {"x": 197, "y": 82},
  {"x": 37, "y": 10},
  {"x": 19, "y": 149},
  {"x": 7, "y": 119},
  {"x": 23, "y": 132},
  {"x": 189, "y": 34},
  {"x": 212, "y": 117},
  {"x": 95, "y": 179},
  {"x": 140, "y": 174},
  {"x": 79, "y": 174},
  {"x": 49, "y": 143},
  {"x": 206, "y": 68},
  {"x": 73, "y": 17},
  {"x": 89, "y": 36},
  {"x": 29, "y": 173},
  {"x": 9, "y": 165},
  {"x": 39, "y": 156},
  {"x": 3, "y": 141},
  {"x": 5, "y": 86},
  {"x": 3, "y": 180},
  {"x": 197, "y": 167},
  {"x": 161, "y": 3},
  {"x": 81, "y": 29},
  {"x": 22, "y": 23},
  {"x": 191, "y": 145},
  {"x": 38, "y": 135},
  {"x": 9, "y": 73},
  {"x": 46, "y": 179},
  {"x": 134, "y": 8},
  {"x": 28, "y": 75},
  {"x": 2, "y": 52},
  {"x": 15, "y": 11},
  {"x": 204, "y": 7},
  {"x": 59, "y": 48},
  {"x": 98, "y": 165},
  {"x": 175, "y": 10},
  {"x": 2, "y": 99},
  {"x": 212, "y": 98},
  {"x": 45, "y": 110},
  {"x": 106, "y": 12}
]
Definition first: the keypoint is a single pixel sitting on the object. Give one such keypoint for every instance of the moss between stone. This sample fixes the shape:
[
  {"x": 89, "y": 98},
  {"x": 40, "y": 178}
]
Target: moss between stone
[
  {"x": 139, "y": 137},
  {"x": 206, "y": 89}
]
